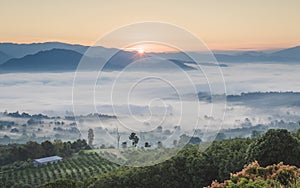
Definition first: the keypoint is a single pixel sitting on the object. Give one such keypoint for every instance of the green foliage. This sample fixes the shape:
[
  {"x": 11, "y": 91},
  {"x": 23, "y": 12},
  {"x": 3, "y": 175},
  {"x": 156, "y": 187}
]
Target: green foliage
[
  {"x": 277, "y": 175},
  {"x": 32, "y": 150},
  {"x": 187, "y": 169},
  {"x": 255, "y": 134},
  {"x": 227, "y": 156},
  {"x": 275, "y": 146},
  {"x": 90, "y": 137},
  {"x": 66, "y": 183},
  {"x": 145, "y": 156},
  {"x": 191, "y": 168},
  {"x": 76, "y": 168},
  {"x": 220, "y": 136}
]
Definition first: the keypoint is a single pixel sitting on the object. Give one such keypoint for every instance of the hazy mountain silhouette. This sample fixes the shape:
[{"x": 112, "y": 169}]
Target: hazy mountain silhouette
[
  {"x": 290, "y": 53},
  {"x": 51, "y": 60},
  {"x": 56, "y": 56},
  {"x": 60, "y": 60},
  {"x": 286, "y": 55},
  {"x": 4, "y": 57},
  {"x": 21, "y": 50}
]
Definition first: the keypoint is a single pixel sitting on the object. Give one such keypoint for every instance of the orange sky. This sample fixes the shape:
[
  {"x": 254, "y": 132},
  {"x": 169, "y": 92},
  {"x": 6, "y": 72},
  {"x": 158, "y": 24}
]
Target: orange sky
[{"x": 221, "y": 24}]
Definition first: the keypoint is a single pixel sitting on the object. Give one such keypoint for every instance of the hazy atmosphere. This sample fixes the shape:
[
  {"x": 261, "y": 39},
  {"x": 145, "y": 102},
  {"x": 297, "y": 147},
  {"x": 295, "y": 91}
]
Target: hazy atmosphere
[{"x": 160, "y": 94}]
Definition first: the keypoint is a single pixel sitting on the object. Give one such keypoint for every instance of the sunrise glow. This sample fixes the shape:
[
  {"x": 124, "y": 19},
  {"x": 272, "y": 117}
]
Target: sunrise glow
[{"x": 141, "y": 51}]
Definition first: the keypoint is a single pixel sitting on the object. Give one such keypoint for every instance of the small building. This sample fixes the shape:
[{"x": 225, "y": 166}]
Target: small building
[{"x": 46, "y": 160}]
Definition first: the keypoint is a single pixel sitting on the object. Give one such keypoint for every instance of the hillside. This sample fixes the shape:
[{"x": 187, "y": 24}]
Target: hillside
[
  {"x": 20, "y": 50},
  {"x": 51, "y": 60},
  {"x": 4, "y": 57},
  {"x": 189, "y": 168},
  {"x": 291, "y": 53}
]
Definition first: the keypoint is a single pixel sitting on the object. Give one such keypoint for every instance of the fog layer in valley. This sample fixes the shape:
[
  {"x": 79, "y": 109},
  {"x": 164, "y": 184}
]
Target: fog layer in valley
[{"x": 51, "y": 94}]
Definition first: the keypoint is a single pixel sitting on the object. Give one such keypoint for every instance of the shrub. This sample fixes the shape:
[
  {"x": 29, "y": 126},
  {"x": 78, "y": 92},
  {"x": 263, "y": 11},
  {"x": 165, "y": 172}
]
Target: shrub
[{"x": 277, "y": 175}]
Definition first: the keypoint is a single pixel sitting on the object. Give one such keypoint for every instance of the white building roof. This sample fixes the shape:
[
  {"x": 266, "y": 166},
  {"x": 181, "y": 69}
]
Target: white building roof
[{"x": 48, "y": 159}]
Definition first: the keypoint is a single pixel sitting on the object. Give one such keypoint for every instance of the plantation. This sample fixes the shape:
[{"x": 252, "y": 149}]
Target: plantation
[{"x": 76, "y": 168}]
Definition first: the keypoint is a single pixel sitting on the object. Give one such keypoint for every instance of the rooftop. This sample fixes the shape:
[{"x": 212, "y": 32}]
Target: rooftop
[{"x": 48, "y": 159}]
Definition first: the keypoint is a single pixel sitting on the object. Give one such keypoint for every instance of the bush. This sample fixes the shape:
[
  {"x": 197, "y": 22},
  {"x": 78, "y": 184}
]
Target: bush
[{"x": 277, "y": 175}]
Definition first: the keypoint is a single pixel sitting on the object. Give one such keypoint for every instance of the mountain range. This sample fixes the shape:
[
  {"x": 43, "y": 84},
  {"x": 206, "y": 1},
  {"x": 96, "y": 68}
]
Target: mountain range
[{"x": 56, "y": 56}]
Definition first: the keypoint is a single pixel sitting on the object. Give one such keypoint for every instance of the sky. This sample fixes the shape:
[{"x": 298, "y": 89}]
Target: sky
[{"x": 222, "y": 25}]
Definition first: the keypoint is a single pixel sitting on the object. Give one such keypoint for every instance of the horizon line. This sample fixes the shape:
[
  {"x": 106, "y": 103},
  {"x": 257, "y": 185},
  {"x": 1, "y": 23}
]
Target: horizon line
[{"x": 158, "y": 51}]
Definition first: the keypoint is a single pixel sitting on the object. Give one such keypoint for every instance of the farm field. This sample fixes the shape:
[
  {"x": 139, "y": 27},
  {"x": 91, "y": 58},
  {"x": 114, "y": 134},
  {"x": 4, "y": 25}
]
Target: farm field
[{"x": 77, "y": 168}]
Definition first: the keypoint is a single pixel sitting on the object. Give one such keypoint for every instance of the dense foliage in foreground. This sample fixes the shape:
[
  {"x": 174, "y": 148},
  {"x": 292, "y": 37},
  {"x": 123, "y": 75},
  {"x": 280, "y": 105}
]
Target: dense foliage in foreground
[
  {"x": 276, "y": 175},
  {"x": 190, "y": 168}
]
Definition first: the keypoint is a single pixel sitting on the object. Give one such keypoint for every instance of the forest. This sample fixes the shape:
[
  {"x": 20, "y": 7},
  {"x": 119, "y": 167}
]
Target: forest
[{"x": 239, "y": 162}]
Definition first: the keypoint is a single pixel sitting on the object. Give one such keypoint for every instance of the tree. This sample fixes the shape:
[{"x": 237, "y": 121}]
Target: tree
[
  {"x": 79, "y": 145},
  {"x": 147, "y": 145},
  {"x": 298, "y": 132},
  {"x": 124, "y": 144},
  {"x": 255, "y": 134},
  {"x": 34, "y": 150},
  {"x": 118, "y": 138},
  {"x": 58, "y": 147},
  {"x": 220, "y": 136},
  {"x": 226, "y": 156},
  {"x": 159, "y": 129},
  {"x": 183, "y": 140},
  {"x": 134, "y": 138},
  {"x": 195, "y": 140},
  {"x": 159, "y": 144},
  {"x": 67, "y": 149},
  {"x": 174, "y": 143},
  {"x": 90, "y": 137},
  {"x": 273, "y": 147},
  {"x": 48, "y": 148}
]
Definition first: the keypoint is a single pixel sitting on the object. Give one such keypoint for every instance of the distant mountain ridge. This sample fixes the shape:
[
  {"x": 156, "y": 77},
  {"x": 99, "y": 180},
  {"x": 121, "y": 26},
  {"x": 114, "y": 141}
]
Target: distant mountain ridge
[
  {"x": 57, "y": 56},
  {"x": 21, "y": 50},
  {"x": 289, "y": 53},
  {"x": 4, "y": 57},
  {"x": 257, "y": 99},
  {"x": 286, "y": 55},
  {"x": 62, "y": 60},
  {"x": 52, "y": 60}
]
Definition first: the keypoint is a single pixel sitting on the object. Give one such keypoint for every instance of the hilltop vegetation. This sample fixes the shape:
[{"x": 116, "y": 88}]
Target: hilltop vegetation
[
  {"x": 31, "y": 150},
  {"x": 189, "y": 168}
]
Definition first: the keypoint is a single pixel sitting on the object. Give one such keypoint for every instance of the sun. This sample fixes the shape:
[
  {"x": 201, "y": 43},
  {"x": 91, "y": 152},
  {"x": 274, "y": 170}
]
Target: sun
[{"x": 141, "y": 51}]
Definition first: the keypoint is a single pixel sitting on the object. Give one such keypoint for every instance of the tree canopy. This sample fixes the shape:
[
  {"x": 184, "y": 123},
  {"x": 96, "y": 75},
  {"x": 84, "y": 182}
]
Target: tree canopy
[{"x": 275, "y": 146}]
